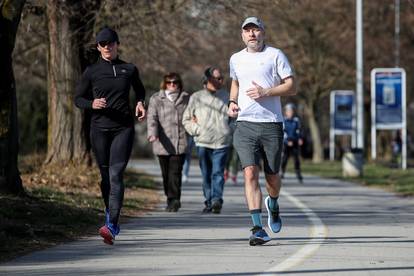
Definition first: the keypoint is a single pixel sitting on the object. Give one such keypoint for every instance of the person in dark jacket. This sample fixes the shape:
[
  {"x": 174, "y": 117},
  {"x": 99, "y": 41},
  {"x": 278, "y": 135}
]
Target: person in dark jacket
[
  {"x": 104, "y": 90},
  {"x": 292, "y": 140}
]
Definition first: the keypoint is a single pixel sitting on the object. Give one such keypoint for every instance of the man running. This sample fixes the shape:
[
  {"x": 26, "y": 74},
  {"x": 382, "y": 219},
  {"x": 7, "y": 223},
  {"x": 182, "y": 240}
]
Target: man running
[{"x": 260, "y": 76}]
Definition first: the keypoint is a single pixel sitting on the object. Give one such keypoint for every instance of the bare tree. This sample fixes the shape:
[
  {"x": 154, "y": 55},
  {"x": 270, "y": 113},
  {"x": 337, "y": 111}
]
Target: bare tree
[
  {"x": 177, "y": 35},
  {"x": 309, "y": 34},
  {"x": 10, "y": 181},
  {"x": 319, "y": 38},
  {"x": 188, "y": 35},
  {"x": 70, "y": 26}
]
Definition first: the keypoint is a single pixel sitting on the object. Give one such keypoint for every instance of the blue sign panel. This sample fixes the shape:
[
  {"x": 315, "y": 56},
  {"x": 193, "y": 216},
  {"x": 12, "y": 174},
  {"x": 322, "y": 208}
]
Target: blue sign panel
[
  {"x": 343, "y": 111},
  {"x": 388, "y": 97}
]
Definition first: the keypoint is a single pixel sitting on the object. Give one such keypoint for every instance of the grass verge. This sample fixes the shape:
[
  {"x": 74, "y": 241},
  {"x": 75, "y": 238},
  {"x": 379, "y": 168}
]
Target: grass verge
[
  {"x": 374, "y": 174},
  {"x": 62, "y": 204}
]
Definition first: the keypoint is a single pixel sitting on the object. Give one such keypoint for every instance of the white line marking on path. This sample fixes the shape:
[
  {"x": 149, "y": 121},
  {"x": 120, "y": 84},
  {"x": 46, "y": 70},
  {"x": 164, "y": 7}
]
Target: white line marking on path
[{"x": 317, "y": 235}]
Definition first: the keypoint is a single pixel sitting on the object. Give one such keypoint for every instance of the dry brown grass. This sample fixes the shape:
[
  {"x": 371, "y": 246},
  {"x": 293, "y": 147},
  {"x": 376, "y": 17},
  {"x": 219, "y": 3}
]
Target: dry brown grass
[{"x": 63, "y": 203}]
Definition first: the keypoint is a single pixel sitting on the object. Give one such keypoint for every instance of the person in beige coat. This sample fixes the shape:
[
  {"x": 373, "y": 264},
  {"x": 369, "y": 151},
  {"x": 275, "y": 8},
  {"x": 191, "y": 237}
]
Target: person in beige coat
[
  {"x": 168, "y": 136},
  {"x": 206, "y": 119}
]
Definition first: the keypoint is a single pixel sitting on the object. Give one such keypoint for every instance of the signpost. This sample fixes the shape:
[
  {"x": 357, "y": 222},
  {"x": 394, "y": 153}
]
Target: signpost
[
  {"x": 343, "y": 113},
  {"x": 388, "y": 106}
]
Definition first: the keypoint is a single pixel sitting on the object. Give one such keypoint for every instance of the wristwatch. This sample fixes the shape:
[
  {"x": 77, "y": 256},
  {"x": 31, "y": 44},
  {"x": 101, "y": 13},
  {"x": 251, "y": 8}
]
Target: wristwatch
[{"x": 232, "y": 101}]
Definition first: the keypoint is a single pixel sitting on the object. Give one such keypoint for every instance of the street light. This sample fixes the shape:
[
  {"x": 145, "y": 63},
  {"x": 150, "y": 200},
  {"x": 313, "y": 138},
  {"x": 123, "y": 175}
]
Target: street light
[
  {"x": 397, "y": 33},
  {"x": 359, "y": 75}
]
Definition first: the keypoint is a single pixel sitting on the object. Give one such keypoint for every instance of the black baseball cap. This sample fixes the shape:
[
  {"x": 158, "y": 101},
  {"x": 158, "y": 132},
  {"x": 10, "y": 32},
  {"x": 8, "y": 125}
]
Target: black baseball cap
[{"x": 107, "y": 34}]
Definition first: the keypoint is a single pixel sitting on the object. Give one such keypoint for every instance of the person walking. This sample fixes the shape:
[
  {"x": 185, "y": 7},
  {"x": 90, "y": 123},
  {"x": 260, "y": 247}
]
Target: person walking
[
  {"x": 104, "y": 90},
  {"x": 232, "y": 166},
  {"x": 292, "y": 140},
  {"x": 187, "y": 161},
  {"x": 206, "y": 119},
  {"x": 260, "y": 74},
  {"x": 232, "y": 161},
  {"x": 168, "y": 136}
]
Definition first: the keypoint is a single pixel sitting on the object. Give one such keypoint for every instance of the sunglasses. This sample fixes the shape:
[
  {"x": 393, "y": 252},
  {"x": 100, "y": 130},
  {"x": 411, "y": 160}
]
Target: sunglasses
[
  {"x": 172, "y": 82},
  {"x": 105, "y": 43}
]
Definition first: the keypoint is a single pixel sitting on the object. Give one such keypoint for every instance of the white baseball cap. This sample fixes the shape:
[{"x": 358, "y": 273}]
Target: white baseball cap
[{"x": 253, "y": 20}]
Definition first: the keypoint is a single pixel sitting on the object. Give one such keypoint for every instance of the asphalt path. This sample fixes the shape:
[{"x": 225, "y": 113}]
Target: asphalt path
[{"x": 330, "y": 227}]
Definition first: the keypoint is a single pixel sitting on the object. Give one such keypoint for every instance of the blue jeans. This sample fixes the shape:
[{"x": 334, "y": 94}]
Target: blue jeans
[{"x": 212, "y": 164}]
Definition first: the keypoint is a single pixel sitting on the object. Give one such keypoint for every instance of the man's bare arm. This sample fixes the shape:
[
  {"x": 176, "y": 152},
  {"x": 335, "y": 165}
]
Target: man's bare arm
[
  {"x": 233, "y": 105},
  {"x": 286, "y": 88}
]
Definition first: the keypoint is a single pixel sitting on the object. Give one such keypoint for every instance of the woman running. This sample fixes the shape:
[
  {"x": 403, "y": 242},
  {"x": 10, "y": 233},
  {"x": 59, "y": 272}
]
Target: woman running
[{"x": 104, "y": 89}]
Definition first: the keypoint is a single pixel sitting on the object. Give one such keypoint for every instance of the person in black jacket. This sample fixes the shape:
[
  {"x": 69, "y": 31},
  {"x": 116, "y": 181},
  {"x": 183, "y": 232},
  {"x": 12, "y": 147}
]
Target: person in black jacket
[
  {"x": 104, "y": 90},
  {"x": 292, "y": 140}
]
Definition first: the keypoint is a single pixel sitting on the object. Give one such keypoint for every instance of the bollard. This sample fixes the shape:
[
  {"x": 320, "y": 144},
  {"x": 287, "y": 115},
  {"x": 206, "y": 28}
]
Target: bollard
[{"x": 352, "y": 163}]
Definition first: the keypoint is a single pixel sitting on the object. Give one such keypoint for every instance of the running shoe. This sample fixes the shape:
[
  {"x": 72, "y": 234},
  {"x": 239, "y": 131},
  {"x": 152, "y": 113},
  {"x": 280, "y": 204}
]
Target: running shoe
[
  {"x": 207, "y": 209},
  {"x": 273, "y": 218},
  {"x": 216, "y": 207},
  {"x": 175, "y": 205},
  {"x": 259, "y": 236},
  {"x": 108, "y": 233}
]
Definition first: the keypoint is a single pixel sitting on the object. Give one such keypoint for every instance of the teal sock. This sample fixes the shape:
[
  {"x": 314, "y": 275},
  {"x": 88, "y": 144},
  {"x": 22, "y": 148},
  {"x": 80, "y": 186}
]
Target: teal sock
[
  {"x": 256, "y": 215},
  {"x": 273, "y": 205}
]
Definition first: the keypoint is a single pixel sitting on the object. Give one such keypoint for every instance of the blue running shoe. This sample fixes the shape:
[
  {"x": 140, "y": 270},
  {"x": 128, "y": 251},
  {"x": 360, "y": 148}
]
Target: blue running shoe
[
  {"x": 114, "y": 228},
  {"x": 273, "y": 218},
  {"x": 259, "y": 236}
]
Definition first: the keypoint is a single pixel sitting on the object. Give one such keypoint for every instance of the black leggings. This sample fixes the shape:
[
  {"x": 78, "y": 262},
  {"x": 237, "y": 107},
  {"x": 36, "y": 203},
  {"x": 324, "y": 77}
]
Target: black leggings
[{"x": 112, "y": 151}]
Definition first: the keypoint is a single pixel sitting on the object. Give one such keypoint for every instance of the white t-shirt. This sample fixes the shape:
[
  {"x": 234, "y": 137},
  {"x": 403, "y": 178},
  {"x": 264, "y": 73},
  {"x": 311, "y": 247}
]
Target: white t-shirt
[{"x": 267, "y": 68}]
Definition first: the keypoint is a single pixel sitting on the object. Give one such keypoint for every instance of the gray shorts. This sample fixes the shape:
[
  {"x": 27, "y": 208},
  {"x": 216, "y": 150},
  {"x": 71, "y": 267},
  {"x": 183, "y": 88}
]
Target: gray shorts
[{"x": 253, "y": 141}]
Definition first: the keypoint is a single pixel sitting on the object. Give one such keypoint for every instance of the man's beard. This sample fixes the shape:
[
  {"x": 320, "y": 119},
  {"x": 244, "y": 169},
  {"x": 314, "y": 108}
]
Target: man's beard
[{"x": 256, "y": 46}]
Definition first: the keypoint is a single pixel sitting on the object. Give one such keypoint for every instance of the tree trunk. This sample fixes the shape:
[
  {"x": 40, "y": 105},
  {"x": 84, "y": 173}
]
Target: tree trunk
[
  {"x": 67, "y": 25},
  {"x": 10, "y": 181},
  {"x": 317, "y": 155}
]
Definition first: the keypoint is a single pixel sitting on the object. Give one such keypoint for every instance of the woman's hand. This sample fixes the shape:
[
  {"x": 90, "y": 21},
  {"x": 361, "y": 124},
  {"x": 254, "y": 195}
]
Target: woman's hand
[
  {"x": 152, "y": 138},
  {"x": 99, "y": 103}
]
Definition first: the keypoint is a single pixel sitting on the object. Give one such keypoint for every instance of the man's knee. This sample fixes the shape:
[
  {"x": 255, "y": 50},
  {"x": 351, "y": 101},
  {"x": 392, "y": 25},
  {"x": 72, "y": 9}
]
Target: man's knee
[{"x": 251, "y": 173}]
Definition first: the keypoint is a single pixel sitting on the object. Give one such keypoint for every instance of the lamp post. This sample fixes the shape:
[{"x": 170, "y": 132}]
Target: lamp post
[
  {"x": 397, "y": 33},
  {"x": 359, "y": 75}
]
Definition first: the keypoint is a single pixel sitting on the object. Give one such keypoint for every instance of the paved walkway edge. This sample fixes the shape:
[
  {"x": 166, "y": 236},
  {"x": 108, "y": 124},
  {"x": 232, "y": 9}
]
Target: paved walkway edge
[{"x": 318, "y": 233}]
